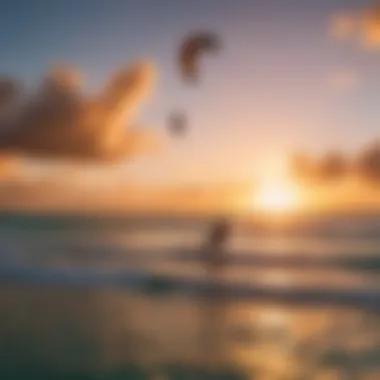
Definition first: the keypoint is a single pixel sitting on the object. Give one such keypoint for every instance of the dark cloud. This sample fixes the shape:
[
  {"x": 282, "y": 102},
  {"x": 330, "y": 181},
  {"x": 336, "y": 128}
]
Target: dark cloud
[
  {"x": 334, "y": 166},
  {"x": 59, "y": 121},
  {"x": 9, "y": 89}
]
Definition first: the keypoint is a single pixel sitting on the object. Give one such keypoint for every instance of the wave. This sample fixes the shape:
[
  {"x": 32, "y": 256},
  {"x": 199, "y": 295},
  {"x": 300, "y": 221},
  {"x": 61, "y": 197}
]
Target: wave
[{"x": 211, "y": 286}]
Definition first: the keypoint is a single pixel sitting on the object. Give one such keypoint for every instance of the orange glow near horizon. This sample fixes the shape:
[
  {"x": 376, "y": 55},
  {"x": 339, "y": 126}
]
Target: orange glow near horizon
[{"x": 277, "y": 197}]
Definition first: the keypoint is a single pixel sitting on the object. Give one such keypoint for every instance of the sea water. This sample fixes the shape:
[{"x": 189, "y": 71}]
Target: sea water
[{"x": 55, "y": 326}]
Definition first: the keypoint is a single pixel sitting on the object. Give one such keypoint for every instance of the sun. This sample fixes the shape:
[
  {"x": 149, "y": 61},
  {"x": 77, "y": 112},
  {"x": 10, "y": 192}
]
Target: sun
[{"x": 277, "y": 197}]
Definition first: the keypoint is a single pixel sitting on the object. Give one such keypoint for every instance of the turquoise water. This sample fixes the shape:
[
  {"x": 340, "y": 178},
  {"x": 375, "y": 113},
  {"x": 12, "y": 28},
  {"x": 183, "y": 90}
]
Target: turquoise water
[{"x": 55, "y": 326}]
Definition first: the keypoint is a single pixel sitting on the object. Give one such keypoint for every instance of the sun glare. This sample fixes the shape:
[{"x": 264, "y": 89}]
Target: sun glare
[{"x": 277, "y": 197}]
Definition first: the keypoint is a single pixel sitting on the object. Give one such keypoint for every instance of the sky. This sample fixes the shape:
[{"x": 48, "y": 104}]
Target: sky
[{"x": 280, "y": 83}]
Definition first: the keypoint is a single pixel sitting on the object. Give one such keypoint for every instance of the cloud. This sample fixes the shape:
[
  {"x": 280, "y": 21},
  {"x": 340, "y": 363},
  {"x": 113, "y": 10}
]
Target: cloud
[
  {"x": 334, "y": 166},
  {"x": 8, "y": 166},
  {"x": 330, "y": 167},
  {"x": 58, "y": 121},
  {"x": 370, "y": 26},
  {"x": 362, "y": 24},
  {"x": 367, "y": 163},
  {"x": 302, "y": 167},
  {"x": 343, "y": 25}
]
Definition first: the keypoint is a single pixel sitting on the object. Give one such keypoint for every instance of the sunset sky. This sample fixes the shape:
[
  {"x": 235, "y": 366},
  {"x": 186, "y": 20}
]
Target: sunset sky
[{"x": 283, "y": 81}]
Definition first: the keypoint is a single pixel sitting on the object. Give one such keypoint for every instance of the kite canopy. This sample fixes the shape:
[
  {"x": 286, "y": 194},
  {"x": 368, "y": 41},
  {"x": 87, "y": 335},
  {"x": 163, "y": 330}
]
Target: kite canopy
[
  {"x": 177, "y": 123},
  {"x": 191, "y": 49},
  {"x": 190, "y": 52}
]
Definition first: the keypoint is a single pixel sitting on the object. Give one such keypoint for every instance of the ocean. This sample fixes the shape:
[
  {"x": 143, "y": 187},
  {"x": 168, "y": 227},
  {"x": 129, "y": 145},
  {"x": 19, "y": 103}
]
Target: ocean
[{"x": 131, "y": 298}]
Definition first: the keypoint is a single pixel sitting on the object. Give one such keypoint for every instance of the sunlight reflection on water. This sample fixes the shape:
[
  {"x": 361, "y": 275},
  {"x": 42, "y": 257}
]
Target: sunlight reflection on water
[{"x": 81, "y": 328}]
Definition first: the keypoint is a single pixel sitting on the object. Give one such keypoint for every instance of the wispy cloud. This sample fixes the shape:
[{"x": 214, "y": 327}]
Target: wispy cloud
[
  {"x": 361, "y": 24},
  {"x": 343, "y": 25}
]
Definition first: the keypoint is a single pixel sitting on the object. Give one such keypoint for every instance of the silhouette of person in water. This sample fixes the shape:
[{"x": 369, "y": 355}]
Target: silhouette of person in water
[
  {"x": 214, "y": 309},
  {"x": 216, "y": 240}
]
